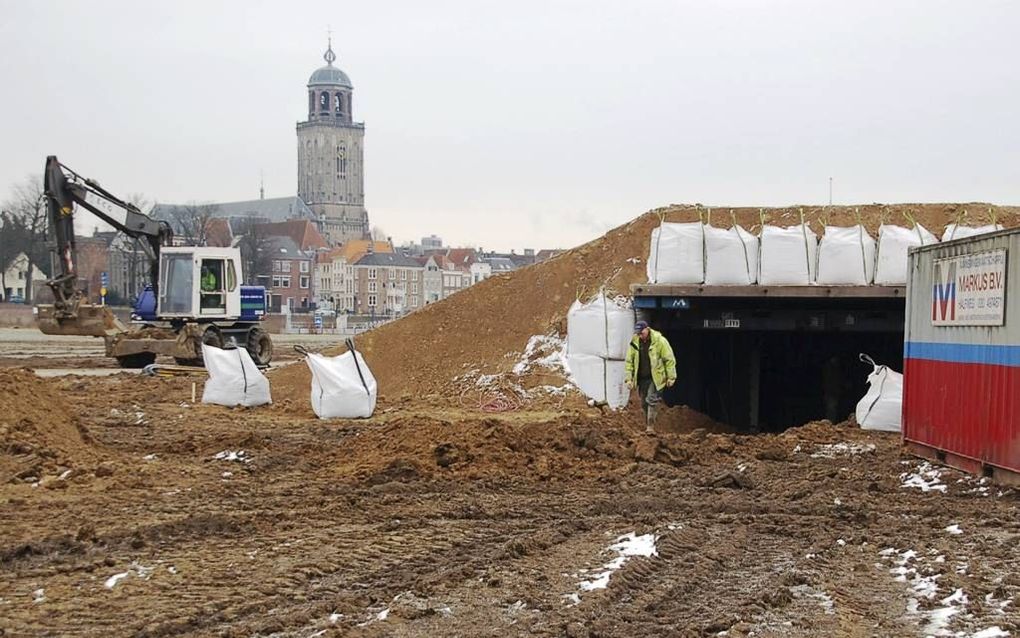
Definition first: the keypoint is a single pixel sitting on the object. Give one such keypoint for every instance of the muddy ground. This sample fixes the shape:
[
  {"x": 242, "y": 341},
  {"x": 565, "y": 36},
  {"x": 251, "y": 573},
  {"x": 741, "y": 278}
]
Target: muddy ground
[
  {"x": 163, "y": 518},
  {"x": 27, "y": 347}
]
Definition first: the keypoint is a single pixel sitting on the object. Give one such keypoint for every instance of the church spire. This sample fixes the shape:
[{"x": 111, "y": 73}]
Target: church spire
[{"x": 329, "y": 56}]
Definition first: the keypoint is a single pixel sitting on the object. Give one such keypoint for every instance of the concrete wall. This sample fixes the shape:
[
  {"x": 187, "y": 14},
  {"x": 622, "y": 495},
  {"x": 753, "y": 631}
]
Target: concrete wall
[{"x": 16, "y": 316}]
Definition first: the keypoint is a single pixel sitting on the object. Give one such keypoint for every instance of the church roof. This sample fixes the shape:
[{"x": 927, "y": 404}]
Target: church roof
[
  {"x": 329, "y": 75},
  {"x": 276, "y": 209}
]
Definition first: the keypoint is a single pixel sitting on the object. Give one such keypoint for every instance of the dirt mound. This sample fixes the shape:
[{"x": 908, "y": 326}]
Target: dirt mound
[
  {"x": 418, "y": 446},
  {"x": 38, "y": 433},
  {"x": 485, "y": 329},
  {"x": 573, "y": 443}
]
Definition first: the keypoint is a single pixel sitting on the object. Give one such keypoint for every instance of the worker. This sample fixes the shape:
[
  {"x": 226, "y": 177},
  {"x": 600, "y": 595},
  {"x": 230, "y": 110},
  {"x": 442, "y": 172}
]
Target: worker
[
  {"x": 651, "y": 367},
  {"x": 208, "y": 280}
]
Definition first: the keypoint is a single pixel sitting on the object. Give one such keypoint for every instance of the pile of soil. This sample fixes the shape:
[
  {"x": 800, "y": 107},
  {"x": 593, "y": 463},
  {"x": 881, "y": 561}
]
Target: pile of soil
[
  {"x": 570, "y": 444},
  {"x": 483, "y": 326},
  {"x": 38, "y": 433}
]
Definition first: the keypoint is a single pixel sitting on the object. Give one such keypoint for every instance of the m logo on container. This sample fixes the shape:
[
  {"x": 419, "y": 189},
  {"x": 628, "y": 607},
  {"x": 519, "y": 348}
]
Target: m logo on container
[{"x": 943, "y": 296}]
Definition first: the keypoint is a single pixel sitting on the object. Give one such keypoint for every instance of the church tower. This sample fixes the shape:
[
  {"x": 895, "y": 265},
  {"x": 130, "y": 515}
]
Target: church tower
[{"x": 331, "y": 178}]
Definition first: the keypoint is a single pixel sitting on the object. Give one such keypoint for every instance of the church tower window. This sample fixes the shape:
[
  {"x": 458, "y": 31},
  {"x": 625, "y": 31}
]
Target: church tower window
[{"x": 341, "y": 161}]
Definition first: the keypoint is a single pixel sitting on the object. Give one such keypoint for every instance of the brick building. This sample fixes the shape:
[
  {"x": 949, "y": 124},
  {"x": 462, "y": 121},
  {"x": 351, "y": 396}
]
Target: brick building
[
  {"x": 387, "y": 284},
  {"x": 289, "y": 282}
]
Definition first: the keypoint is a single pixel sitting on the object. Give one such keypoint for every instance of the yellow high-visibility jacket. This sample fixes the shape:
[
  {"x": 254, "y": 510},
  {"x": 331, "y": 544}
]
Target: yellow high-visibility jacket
[{"x": 660, "y": 355}]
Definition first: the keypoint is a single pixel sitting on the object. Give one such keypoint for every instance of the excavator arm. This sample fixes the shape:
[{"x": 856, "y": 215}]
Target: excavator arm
[{"x": 71, "y": 313}]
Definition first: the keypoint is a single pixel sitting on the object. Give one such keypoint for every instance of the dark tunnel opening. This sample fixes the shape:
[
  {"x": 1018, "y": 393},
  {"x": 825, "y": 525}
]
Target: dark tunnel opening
[{"x": 767, "y": 365}]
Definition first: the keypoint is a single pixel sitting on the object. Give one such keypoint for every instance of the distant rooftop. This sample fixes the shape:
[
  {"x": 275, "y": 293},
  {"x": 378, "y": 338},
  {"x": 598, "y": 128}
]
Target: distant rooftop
[
  {"x": 276, "y": 209},
  {"x": 388, "y": 260}
]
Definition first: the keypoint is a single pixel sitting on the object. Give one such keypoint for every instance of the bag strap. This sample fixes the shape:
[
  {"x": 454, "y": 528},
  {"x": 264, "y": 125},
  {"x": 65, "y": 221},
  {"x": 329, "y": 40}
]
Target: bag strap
[
  {"x": 875, "y": 367},
  {"x": 860, "y": 239},
  {"x": 354, "y": 353},
  {"x": 807, "y": 251},
  {"x": 658, "y": 240},
  {"x": 743, "y": 245},
  {"x": 244, "y": 373},
  {"x": 605, "y": 319}
]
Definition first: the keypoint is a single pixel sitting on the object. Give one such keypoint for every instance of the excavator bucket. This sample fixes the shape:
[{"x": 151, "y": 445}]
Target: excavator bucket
[{"x": 88, "y": 320}]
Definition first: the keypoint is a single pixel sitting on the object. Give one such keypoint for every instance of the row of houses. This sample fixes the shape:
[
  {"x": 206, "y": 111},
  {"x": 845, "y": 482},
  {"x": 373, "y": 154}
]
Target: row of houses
[{"x": 302, "y": 273}]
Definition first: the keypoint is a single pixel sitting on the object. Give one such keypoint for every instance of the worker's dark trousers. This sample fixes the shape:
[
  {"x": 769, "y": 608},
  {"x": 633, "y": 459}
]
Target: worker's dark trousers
[{"x": 650, "y": 399}]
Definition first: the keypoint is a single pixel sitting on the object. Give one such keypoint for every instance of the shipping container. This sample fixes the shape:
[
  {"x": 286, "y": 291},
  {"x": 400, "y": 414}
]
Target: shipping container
[{"x": 961, "y": 372}]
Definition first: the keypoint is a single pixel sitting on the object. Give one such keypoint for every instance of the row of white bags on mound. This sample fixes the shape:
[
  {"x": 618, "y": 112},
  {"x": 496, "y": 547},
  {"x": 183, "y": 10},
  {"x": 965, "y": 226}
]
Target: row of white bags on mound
[
  {"x": 598, "y": 335},
  {"x": 696, "y": 253},
  {"x": 342, "y": 386},
  {"x": 881, "y": 407}
]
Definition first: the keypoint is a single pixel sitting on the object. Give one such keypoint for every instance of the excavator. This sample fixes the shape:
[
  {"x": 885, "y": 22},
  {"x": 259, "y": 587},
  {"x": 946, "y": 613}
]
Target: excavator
[{"x": 195, "y": 295}]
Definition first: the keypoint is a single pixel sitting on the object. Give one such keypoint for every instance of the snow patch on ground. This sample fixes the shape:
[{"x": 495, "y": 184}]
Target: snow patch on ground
[
  {"x": 544, "y": 354},
  {"x": 239, "y": 456},
  {"x": 626, "y": 547},
  {"x": 926, "y": 478},
  {"x": 134, "y": 569},
  {"x": 912, "y": 569},
  {"x": 824, "y": 599},
  {"x": 939, "y": 617},
  {"x": 954, "y": 529},
  {"x": 991, "y": 632},
  {"x": 39, "y": 596},
  {"x": 543, "y": 351},
  {"x": 833, "y": 450},
  {"x": 112, "y": 581}
]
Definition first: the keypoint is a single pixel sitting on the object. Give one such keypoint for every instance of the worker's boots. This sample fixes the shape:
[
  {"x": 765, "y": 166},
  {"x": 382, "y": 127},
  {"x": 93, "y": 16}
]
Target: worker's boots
[{"x": 650, "y": 413}]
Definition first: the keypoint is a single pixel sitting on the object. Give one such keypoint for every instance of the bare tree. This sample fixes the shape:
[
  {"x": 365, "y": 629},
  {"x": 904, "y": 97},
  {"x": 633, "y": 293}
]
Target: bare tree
[
  {"x": 253, "y": 241},
  {"x": 378, "y": 234},
  {"x": 26, "y": 214},
  {"x": 192, "y": 221},
  {"x": 10, "y": 247}
]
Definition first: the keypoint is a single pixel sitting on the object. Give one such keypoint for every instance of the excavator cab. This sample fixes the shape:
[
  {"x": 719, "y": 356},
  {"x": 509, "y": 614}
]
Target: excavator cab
[{"x": 197, "y": 283}]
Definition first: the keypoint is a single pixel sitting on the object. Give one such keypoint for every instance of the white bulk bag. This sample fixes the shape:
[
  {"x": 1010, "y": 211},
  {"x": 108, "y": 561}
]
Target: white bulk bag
[
  {"x": 846, "y": 256},
  {"x": 787, "y": 256},
  {"x": 342, "y": 387},
  {"x": 955, "y": 231},
  {"x": 731, "y": 257},
  {"x": 882, "y": 405},
  {"x": 599, "y": 379},
  {"x": 234, "y": 379},
  {"x": 677, "y": 254},
  {"x": 600, "y": 327},
  {"x": 894, "y": 242}
]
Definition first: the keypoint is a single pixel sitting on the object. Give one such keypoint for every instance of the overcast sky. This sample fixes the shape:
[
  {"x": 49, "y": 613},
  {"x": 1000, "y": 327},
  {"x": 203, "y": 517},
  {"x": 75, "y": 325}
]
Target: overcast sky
[{"x": 528, "y": 123}]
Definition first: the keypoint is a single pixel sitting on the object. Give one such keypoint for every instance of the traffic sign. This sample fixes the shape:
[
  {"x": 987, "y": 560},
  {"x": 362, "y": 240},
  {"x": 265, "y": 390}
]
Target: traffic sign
[{"x": 104, "y": 279}]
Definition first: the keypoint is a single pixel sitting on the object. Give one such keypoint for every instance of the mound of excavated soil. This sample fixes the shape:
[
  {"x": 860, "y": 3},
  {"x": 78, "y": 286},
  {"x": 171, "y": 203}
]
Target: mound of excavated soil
[
  {"x": 476, "y": 329},
  {"x": 558, "y": 446},
  {"x": 38, "y": 432}
]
